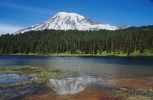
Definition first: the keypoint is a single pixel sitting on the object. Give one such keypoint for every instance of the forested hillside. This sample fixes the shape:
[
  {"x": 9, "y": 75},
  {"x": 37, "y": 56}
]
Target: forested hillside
[{"x": 126, "y": 41}]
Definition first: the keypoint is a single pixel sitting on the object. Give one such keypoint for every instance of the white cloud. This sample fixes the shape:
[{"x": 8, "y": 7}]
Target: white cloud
[{"x": 6, "y": 28}]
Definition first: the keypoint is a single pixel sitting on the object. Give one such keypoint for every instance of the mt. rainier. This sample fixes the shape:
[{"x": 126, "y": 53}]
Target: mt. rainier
[{"x": 69, "y": 21}]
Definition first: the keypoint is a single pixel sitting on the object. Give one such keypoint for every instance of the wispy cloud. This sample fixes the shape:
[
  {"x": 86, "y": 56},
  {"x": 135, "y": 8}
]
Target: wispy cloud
[
  {"x": 6, "y": 28},
  {"x": 25, "y": 8}
]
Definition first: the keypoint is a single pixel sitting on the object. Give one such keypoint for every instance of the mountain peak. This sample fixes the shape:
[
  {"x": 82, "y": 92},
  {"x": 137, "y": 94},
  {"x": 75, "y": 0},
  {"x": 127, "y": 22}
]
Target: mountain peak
[
  {"x": 69, "y": 21},
  {"x": 70, "y": 15},
  {"x": 66, "y": 14}
]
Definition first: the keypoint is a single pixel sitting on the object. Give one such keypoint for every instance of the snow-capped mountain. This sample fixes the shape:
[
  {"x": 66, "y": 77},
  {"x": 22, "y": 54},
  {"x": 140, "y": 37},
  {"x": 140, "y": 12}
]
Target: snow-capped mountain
[{"x": 69, "y": 21}]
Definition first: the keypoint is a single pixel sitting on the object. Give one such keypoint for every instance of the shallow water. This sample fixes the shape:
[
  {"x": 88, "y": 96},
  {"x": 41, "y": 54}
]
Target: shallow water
[
  {"x": 19, "y": 93},
  {"x": 10, "y": 79},
  {"x": 102, "y": 73}
]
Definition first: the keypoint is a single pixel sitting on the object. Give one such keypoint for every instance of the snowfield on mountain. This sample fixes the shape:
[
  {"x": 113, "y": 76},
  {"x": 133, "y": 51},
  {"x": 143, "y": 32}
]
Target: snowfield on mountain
[{"x": 69, "y": 21}]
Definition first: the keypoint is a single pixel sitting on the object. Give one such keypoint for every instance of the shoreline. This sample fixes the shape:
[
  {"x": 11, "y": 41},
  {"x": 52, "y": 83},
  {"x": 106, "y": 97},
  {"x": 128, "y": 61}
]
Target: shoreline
[{"x": 82, "y": 55}]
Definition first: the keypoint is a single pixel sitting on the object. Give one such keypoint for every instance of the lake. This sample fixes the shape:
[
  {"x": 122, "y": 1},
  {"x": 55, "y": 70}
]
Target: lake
[
  {"x": 116, "y": 72},
  {"x": 114, "y": 66}
]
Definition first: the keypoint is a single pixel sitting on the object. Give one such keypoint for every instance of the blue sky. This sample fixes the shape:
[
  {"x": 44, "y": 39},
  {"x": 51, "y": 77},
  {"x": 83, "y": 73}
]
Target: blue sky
[{"x": 17, "y": 14}]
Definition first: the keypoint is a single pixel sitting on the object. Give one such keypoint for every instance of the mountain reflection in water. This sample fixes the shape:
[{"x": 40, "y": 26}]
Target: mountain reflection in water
[{"x": 71, "y": 85}]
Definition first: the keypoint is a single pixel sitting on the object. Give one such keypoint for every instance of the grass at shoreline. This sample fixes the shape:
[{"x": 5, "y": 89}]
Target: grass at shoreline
[{"x": 89, "y": 55}]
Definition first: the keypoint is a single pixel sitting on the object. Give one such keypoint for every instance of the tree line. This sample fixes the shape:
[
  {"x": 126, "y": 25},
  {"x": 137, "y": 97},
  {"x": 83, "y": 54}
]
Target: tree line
[{"x": 124, "y": 41}]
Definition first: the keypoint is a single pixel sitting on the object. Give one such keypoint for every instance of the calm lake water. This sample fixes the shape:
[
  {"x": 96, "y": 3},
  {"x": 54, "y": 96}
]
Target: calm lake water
[{"x": 109, "y": 67}]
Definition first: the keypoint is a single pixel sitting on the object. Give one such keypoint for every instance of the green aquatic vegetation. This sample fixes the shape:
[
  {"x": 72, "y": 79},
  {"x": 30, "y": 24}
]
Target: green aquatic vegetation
[
  {"x": 37, "y": 75},
  {"x": 133, "y": 94},
  {"x": 138, "y": 98},
  {"x": 2, "y": 69},
  {"x": 40, "y": 72}
]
